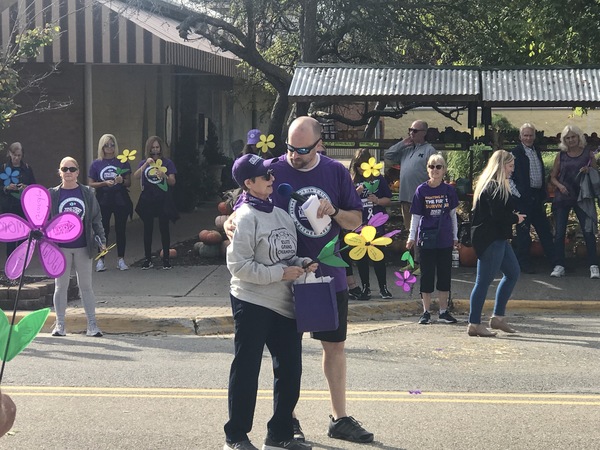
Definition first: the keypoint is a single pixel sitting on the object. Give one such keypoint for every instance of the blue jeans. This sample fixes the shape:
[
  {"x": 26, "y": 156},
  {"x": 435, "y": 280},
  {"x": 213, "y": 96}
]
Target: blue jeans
[
  {"x": 255, "y": 327},
  {"x": 561, "y": 217},
  {"x": 498, "y": 256}
]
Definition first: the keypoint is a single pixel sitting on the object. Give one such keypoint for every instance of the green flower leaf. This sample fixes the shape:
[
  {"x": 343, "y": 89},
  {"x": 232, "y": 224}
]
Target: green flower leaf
[{"x": 22, "y": 333}]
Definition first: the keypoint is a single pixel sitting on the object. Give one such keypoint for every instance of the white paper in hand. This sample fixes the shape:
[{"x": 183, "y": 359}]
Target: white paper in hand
[{"x": 310, "y": 208}]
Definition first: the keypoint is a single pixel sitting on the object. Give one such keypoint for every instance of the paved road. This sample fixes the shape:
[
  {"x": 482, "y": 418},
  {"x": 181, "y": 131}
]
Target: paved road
[{"x": 534, "y": 390}]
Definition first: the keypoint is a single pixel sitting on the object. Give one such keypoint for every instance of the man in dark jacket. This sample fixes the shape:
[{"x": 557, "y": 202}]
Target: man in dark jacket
[{"x": 529, "y": 192}]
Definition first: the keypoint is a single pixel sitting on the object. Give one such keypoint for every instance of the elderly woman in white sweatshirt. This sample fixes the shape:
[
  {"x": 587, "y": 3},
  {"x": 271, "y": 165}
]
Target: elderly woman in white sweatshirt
[{"x": 263, "y": 264}]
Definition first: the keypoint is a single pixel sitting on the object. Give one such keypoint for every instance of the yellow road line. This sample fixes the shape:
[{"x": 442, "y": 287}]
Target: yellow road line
[{"x": 308, "y": 395}]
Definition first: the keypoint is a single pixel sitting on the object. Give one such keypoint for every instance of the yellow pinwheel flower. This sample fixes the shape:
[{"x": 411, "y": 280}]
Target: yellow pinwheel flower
[
  {"x": 156, "y": 166},
  {"x": 266, "y": 143},
  {"x": 366, "y": 242},
  {"x": 371, "y": 168},
  {"x": 127, "y": 155}
]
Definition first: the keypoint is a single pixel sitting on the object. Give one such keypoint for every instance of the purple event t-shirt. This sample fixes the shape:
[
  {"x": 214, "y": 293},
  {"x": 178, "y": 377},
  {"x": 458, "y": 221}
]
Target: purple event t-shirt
[
  {"x": 369, "y": 209},
  {"x": 329, "y": 179},
  {"x": 150, "y": 182},
  {"x": 71, "y": 200},
  {"x": 430, "y": 203},
  {"x": 106, "y": 169}
]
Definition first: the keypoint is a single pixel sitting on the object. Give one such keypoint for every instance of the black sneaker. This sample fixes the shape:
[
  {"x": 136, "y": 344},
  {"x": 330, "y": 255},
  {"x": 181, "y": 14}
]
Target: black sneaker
[
  {"x": 167, "y": 265},
  {"x": 270, "y": 444},
  {"x": 348, "y": 429},
  {"x": 365, "y": 293},
  {"x": 425, "y": 318},
  {"x": 354, "y": 293},
  {"x": 147, "y": 264},
  {"x": 446, "y": 317},
  {"x": 242, "y": 445},
  {"x": 298, "y": 434},
  {"x": 384, "y": 293}
]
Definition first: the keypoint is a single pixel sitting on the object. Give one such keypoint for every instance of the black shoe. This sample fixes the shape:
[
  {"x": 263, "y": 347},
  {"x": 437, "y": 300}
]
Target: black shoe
[
  {"x": 348, "y": 429},
  {"x": 365, "y": 293},
  {"x": 354, "y": 293},
  {"x": 167, "y": 265},
  {"x": 527, "y": 269},
  {"x": 425, "y": 318},
  {"x": 147, "y": 264},
  {"x": 384, "y": 293},
  {"x": 446, "y": 317},
  {"x": 298, "y": 434},
  {"x": 291, "y": 445}
]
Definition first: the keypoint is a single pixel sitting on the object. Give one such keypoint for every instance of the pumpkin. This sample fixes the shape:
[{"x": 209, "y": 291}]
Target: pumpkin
[
  {"x": 224, "y": 208},
  {"x": 536, "y": 250},
  {"x": 172, "y": 253},
  {"x": 207, "y": 251},
  {"x": 224, "y": 246},
  {"x": 220, "y": 220},
  {"x": 467, "y": 256},
  {"x": 203, "y": 235},
  {"x": 213, "y": 237}
]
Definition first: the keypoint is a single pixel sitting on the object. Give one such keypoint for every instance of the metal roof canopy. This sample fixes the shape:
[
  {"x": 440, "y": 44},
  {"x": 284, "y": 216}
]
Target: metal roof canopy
[{"x": 491, "y": 87}]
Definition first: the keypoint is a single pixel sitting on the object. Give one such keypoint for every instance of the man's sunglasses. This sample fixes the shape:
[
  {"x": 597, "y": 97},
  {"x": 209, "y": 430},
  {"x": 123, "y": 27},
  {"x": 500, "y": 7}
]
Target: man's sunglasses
[
  {"x": 69, "y": 169},
  {"x": 436, "y": 166},
  {"x": 302, "y": 150},
  {"x": 414, "y": 130}
]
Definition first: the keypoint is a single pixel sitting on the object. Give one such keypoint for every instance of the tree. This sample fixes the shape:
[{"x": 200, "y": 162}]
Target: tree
[
  {"x": 26, "y": 44},
  {"x": 272, "y": 36}
]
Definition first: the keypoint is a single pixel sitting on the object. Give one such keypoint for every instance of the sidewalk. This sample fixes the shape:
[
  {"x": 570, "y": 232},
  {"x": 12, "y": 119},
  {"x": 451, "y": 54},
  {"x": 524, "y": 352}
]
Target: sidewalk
[{"x": 195, "y": 299}]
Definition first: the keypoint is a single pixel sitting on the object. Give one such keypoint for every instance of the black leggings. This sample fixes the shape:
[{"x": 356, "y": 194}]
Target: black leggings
[
  {"x": 120, "y": 213},
  {"x": 378, "y": 266},
  {"x": 165, "y": 236}
]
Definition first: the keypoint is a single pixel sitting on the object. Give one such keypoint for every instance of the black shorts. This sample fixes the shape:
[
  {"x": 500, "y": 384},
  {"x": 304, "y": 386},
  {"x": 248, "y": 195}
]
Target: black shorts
[{"x": 338, "y": 335}]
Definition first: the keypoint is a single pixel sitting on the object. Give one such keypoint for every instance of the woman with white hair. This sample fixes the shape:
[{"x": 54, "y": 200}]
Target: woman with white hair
[{"x": 573, "y": 159}]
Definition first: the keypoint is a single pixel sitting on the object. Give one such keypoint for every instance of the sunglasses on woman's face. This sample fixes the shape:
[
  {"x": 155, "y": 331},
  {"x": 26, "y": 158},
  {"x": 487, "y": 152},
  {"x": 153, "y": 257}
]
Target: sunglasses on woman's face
[
  {"x": 267, "y": 177},
  {"x": 436, "y": 166},
  {"x": 69, "y": 169},
  {"x": 154, "y": 153}
]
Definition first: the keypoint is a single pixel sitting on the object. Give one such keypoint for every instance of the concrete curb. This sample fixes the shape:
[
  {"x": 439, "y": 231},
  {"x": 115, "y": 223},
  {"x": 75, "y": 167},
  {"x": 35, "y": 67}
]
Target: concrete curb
[{"x": 357, "y": 313}]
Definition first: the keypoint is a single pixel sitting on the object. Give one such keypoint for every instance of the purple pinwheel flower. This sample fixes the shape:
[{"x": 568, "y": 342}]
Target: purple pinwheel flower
[
  {"x": 405, "y": 280},
  {"x": 64, "y": 227},
  {"x": 9, "y": 176}
]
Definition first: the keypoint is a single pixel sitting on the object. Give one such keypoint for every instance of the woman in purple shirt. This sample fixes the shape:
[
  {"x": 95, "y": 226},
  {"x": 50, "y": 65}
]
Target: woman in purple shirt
[
  {"x": 574, "y": 158},
  {"x": 111, "y": 178},
  {"x": 433, "y": 210},
  {"x": 156, "y": 200}
]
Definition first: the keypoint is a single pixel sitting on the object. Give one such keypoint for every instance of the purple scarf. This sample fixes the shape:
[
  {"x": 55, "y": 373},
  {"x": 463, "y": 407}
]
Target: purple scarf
[{"x": 257, "y": 203}]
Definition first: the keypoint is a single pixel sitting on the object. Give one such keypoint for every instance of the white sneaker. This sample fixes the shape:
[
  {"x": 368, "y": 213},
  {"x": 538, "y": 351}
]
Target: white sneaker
[
  {"x": 121, "y": 264},
  {"x": 59, "y": 329},
  {"x": 559, "y": 271},
  {"x": 100, "y": 267},
  {"x": 594, "y": 272},
  {"x": 93, "y": 330}
]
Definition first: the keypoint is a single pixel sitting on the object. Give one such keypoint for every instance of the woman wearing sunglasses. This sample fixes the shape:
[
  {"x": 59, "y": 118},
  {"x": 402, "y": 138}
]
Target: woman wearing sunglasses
[
  {"x": 263, "y": 264},
  {"x": 111, "y": 178},
  {"x": 433, "y": 211},
  {"x": 156, "y": 200},
  {"x": 79, "y": 199}
]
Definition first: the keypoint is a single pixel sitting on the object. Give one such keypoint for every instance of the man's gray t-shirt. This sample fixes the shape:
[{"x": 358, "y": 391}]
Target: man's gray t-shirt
[{"x": 413, "y": 166}]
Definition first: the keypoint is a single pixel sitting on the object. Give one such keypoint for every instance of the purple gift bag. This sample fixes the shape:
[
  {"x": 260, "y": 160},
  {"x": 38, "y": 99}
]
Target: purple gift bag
[{"x": 316, "y": 306}]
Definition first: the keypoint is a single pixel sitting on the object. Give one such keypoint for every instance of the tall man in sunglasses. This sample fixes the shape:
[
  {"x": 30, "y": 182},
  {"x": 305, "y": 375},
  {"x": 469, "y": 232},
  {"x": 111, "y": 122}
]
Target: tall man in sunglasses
[
  {"x": 309, "y": 172},
  {"x": 412, "y": 154}
]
